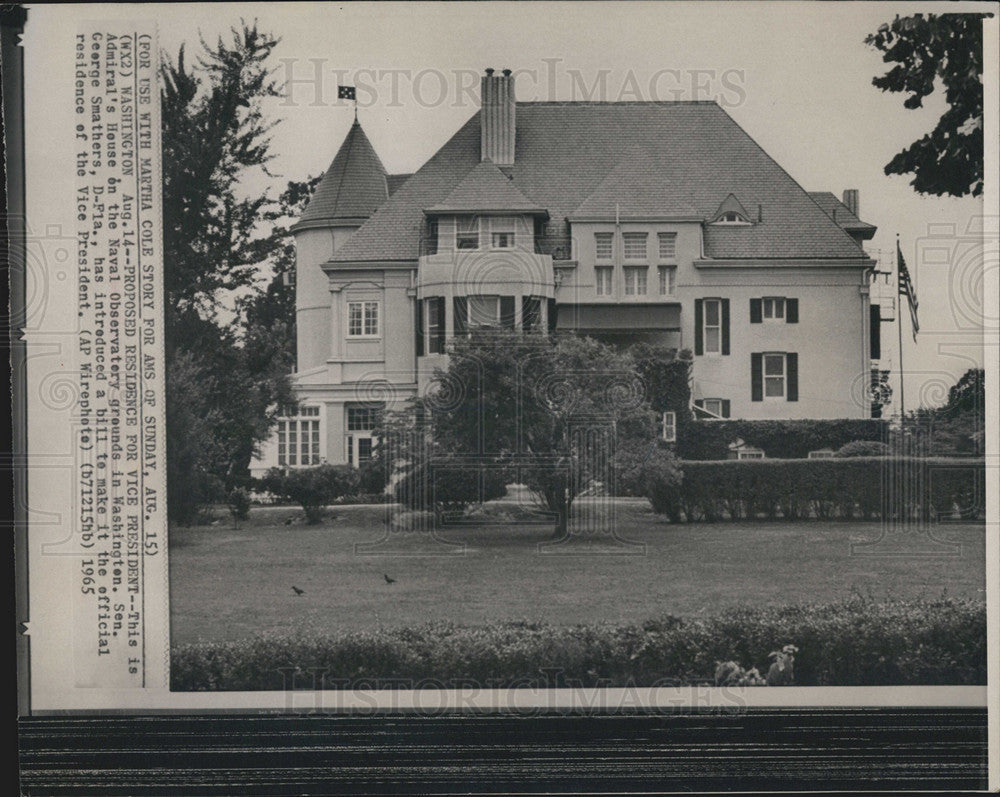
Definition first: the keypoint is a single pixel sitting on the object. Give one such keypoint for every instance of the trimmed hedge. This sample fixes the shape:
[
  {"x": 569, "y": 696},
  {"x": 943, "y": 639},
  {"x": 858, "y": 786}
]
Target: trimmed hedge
[
  {"x": 855, "y": 642},
  {"x": 709, "y": 440},
  {"x": 861, "y": 488}
]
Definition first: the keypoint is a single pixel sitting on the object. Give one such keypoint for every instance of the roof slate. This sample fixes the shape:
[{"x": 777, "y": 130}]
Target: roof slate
[
  {"x": 839, "y": 212},
  {"x": 485, "y": 187},
  {"x": 354, "y": 186},
  {"x": 693, "y": 154}
]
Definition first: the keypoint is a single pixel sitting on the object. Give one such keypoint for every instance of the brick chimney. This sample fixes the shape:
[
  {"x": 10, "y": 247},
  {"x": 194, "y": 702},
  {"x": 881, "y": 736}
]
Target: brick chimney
[
  {"x": 496, "y": 117},
  {"x": 852, "y": 202}
]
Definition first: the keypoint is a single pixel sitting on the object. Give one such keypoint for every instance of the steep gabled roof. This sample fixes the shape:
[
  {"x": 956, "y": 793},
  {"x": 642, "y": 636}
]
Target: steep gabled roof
[
  {"x": 485, "y": 188},
  {"x": 394, "y": 181},
  {"x": 841, "y": 214},
  {"x": 730, "y": 205},
  {"x": 354, "y": 186},
  {"x": 565, "y": 151}
]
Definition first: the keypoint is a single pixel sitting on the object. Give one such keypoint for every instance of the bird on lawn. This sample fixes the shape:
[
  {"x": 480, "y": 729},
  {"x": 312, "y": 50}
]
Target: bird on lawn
[
  {"x": 298, "y": 591},
  {"x": 388, "y": 580}
]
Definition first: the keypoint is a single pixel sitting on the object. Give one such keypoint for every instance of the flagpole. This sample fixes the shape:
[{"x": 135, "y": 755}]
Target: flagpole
[{"x": 899, "y": 329}]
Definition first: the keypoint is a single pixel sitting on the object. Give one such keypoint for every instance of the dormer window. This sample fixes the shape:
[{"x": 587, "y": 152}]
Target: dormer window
[{"x": 731, "y": 217}]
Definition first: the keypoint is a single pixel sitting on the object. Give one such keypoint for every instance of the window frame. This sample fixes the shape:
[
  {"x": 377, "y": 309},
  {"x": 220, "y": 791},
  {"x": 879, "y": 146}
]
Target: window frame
[
  {"x": 751, "y": 452},
  {"x": 459, "y": 233},
  {"x": 641, "y": 274},
  {"x": 775, "y": 303},
  {"x": 626, "y": 236},
  {"x": 783, "y": 376},
  {"x": 672, "y": 426},
  {"x": 660, "y": 238},
  {"x": 609, "y": 272},
  {"x": 299, "y": 438},
  {"x": 503, "y": 225},
  {"x": 610, "y": 238},
  {"x": 667, "y": 280},
  {"x": 469, "y": 325},
  {"x": 705, "y": 326},
  {"x": 431, "y": 304},
  {"x": 365, "y": 305}
]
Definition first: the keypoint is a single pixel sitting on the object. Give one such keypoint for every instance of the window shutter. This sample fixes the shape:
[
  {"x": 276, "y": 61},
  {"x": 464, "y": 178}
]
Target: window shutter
[
  {"x": 461, "y": 319},
  {"x": 875, "y": 331},
  {"x": 553, "y": 312},
  {"x": 507, "y": 312},
  {"x": 699, "y": 333},
  {"x": 419, "y": 324},
  {"x": 756, "y": 377},
  {"x": 699, "y": 403},
  {"x": 792, "y": 375},
  {"x": 725, "y": 408},
  {"x": 725, "y": 326},
  {"x": 756, "y": 311},
  {"x": 791, "y": 311}
]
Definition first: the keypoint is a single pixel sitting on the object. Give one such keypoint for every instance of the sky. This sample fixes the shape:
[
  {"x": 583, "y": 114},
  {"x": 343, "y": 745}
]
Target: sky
[{"x": 795, "y": 75}]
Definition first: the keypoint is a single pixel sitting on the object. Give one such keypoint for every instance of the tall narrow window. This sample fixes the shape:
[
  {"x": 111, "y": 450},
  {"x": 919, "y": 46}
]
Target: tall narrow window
[
  {"x": 774, "y": 375},
  {"x": 603, "y": 275},
  {"x": 668, "y": 275},
  {"x": 467, "y": 232},
  {"x": 635, "y": 245},
  {"x": 668, "y": 427},
  {"x": 713, "y": 326},
  {"x": 434, "y": 313},
  {"x": 604, "y": 245},
  {"x": 298, "y": 438},
  {"x": 774, "y": 307},
  {"x": 635, "y": 280},
  {"x": 668, "y": 246}
]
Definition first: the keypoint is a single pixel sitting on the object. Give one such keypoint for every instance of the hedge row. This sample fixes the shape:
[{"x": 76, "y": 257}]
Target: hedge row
[
  {"x": 862, "y": 488},
  {"x": 710, "y": 440},
  {"x": 856, "y": 642}
]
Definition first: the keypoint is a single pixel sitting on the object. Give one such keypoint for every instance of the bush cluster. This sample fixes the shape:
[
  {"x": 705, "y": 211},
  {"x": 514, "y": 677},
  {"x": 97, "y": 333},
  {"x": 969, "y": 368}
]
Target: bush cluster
[
  {"x": 710, "y": 440},
  {"x": 312, "y": 488},
  {"x": 450, "y": 486},
  {"x": 861, "y": 488},
  {"x": 854, "y": 642}
]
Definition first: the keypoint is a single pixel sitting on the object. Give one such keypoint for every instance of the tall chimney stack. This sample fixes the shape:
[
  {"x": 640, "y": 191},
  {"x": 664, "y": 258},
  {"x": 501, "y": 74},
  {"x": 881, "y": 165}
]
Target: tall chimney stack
[
  {"x": 852, "y": 201},
  {"x": 496, "y": 117}
]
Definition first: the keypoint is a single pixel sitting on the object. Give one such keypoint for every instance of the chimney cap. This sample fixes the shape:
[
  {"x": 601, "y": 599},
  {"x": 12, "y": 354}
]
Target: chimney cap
[
  {"x": 489, "y": 71},
  {"x": 506, "y": 73}
]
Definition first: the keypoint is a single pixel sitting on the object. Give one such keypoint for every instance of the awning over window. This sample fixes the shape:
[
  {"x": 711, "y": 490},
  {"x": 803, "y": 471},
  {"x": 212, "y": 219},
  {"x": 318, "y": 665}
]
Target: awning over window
[{"x": 610, "y": 317}]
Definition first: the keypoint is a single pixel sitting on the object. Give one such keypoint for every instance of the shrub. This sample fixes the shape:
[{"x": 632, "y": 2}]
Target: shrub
[
  {"x": 710, "y": 440},
  {"x": 845, "y": 489},
  {"x": 238, "y": 501},
  {"x": 854, "y": 642},
  {"x": 449, "y": 485},
  {"x": 312, "y": 488},
  {"x": 863, "y": 448}
]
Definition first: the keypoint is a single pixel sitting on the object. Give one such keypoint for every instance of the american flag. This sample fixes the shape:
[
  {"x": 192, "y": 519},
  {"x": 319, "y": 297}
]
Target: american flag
[{"x": 906, "y": 289}]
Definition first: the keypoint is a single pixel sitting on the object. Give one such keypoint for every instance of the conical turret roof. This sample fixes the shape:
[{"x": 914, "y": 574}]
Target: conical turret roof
[{"x": 354, "y": 186}]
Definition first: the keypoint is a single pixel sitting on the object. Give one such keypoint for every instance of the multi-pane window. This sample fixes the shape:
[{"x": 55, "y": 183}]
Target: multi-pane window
[
  {"x": 467, "y": 232},
  {"x": 773, "y": 307},
  {"x": 634, "y": 245},
  {"x": 484, "y": 311},
  {"x": 502, "y": 232},
  {"x": 750, "y": 453},
  {"x": 298, "y": 438},
  {"x": 362, "y": 319},
  {"x": 668, "y": 245},
  {"x": 363, "y": 418},
  {"x": 774, "y": 375},
  {"x": 604, "y": 245},
  {"x": 668, "y": 427},
  {"x": 712, "y": 325},
  {"x": 603, "y": 276},
  {"x": 668, "y": 275},
  {"x": 713, "y": 406},
  {"x": 635, "y": 280}
]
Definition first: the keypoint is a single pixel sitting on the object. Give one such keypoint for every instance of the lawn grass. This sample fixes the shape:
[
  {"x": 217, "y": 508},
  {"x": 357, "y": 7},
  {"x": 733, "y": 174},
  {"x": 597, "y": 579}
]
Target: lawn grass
[{"x": 228, "y": 584}]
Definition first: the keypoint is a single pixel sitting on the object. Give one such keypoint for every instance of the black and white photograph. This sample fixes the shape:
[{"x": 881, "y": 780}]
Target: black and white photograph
[{"x": 494, "y": 357}]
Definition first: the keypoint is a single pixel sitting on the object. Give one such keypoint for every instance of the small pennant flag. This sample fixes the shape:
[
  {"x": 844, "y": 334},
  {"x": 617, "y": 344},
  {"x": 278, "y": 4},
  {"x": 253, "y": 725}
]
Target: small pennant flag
[
  {"x": 346, "y": 93},
  {"x": 906, "y": 289}
]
